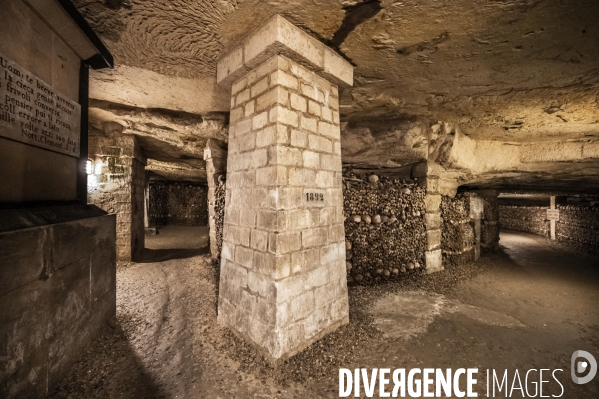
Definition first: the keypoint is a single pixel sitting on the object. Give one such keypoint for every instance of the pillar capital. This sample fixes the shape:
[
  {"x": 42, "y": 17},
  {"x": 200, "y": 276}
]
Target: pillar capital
[{"x": 280, "y": 37}]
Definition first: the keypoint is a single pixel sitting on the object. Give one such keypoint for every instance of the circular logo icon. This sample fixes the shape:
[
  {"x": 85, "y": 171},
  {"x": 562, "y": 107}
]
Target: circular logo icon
[{"x": 580, "y": 366}]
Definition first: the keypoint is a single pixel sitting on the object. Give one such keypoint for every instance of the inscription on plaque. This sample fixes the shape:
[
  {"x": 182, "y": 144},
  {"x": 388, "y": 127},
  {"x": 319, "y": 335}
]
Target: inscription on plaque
[
  {"x": 476, "y": 208},
  {"x": 33, "y": 112},
  {"x": 553, "y": 214},
  {"x": 314, "y": 197}
]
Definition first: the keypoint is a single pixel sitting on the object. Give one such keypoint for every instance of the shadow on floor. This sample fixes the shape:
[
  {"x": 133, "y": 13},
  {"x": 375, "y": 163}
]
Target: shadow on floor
[
  {"x": 110, "y": 369},
  {"x": 175, "y": 242},
  {"x": 163, "y": 255}
]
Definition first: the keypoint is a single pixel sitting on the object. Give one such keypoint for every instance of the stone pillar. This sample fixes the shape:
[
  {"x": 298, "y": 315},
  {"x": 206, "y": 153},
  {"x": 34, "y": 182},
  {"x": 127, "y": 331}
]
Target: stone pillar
[
  {"x": 215, "y": 156},
  {"x": 437, "y": 183},
  {"x": 283, "y": 278},
  {"x": 477, "y": 207},
  {"x": 477, "y": 236},
  {"x": 117, "y": 186},
  {"x": 432, "y": 201},
  {"x": 490, "y": 225}
]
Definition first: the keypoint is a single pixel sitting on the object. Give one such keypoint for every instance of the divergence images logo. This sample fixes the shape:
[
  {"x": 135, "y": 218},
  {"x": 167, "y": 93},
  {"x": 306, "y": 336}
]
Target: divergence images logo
[{"x": 580, "y": 366}]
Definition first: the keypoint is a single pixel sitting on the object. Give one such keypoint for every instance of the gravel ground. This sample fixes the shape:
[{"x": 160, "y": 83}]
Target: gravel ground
[{"x": 165, "y": 341}]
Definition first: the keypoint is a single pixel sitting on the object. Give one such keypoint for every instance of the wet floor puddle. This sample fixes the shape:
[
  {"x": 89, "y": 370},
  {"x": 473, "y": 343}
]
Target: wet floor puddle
[{"x": 407, "y": 314}]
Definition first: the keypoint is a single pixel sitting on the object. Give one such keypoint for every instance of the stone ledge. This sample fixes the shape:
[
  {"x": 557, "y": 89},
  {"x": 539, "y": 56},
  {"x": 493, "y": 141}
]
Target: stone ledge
[{"x": 279, "y": 36}]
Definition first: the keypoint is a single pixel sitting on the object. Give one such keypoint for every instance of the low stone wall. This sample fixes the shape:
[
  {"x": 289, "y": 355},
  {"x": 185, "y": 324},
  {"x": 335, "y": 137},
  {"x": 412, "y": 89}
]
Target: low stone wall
[
  {"x": 578, "y": 227},
  {"x": 385, "y": 229},
  {"x": 178, "y": 203},
  {"x": 529, "y": 219},
  {"x": 57, "y": 292}
]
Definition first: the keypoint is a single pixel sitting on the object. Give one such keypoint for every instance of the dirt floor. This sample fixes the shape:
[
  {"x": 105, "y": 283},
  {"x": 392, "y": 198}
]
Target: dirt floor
[
  {"x": 178, "y": 237},
  {"x": 528, "y": 306}
]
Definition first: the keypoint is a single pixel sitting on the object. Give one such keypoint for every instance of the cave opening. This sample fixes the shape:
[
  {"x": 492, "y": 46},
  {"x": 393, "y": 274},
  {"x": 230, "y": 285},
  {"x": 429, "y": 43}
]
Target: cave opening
[{"x": 177, "y": 215}]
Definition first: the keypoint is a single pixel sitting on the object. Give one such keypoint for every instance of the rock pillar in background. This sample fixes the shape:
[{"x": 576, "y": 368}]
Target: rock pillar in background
[
  {"x": 490, "y": 221},
  {"x": 283, "y": 277},
  {"x": 476, "y": 214}
]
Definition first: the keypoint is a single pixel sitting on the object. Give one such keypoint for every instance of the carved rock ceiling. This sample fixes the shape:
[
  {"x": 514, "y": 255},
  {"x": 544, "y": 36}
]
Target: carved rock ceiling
[{"x": 509, "y": 70}]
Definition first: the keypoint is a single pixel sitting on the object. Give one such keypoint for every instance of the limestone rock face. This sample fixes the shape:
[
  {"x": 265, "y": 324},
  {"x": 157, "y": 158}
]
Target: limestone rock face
[
  {"x": 504, "y": 73},
  {"x": 166, "y": 136}
]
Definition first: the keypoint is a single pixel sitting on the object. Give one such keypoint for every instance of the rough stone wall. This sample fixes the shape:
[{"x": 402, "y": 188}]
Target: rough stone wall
[
  {"x": 529, "y": 219},
  {"x": 117, "y": 186},
  {"x": 385, "y": 230},
  {"x": 57, "y": 293},
  {"x": 178, "y": 203},
  {"x": 283, "y": 279},
  {"x": 457, "y": 237}
]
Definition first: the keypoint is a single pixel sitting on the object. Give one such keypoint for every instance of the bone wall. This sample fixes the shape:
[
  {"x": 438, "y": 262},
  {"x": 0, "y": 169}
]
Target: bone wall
[
  {"x": 529, "y": 219},
  {"x": 385, "y": 231},
  {"x": 178, "y": 203},
  {"x": 220, "y": 193},
  {"x": 458, "y": 233},
  {"x": 578, "y": 227},
  {"x": 457, "y": 237}
]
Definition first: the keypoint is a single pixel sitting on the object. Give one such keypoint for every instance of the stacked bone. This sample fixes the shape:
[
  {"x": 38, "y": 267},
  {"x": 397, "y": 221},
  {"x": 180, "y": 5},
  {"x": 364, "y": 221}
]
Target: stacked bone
[
  {"x": 457, "y": 237},
  {"x": 530, "y": 219},
  {"x": 578, "y": 227},
  {"x": 219, "y": 210},
  {"x": 178, "y": 203},
  {"x": 384, "y": 228}
]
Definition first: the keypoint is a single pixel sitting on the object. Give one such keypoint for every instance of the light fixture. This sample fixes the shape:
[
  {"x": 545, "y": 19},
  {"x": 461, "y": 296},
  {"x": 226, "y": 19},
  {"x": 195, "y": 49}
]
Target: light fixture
[{"x": 89, "y": 167}]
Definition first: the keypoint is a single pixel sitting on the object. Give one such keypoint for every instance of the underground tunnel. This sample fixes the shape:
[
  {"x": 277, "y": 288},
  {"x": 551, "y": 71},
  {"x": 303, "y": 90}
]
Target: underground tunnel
[{"x": 301, "y": 199}]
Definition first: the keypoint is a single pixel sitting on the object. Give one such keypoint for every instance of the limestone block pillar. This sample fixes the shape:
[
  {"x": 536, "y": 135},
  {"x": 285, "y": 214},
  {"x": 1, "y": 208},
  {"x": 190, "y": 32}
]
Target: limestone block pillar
[
  {"x": 432, "y": 200},
  {"x": 429, "y": 173},
  {"x": 117, "y": 186},
  {"x": 490, "y": 222},
  {"x": 215, "y": 155},
  {"x": 283, "y": 278}
]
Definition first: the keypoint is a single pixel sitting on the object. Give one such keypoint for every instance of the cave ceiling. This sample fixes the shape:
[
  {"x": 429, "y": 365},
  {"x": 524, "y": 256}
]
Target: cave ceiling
[{"x": 509, "y": 70}]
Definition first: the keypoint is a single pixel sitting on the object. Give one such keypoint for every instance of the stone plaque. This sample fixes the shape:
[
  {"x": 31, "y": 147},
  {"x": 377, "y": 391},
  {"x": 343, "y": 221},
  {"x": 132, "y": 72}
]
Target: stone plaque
[
  {"x": 314, "y": 197},
  {"x": 33, "y": 112},
  {"x": 553, "y": 214},
  {"x": 476, "y": 207}
]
